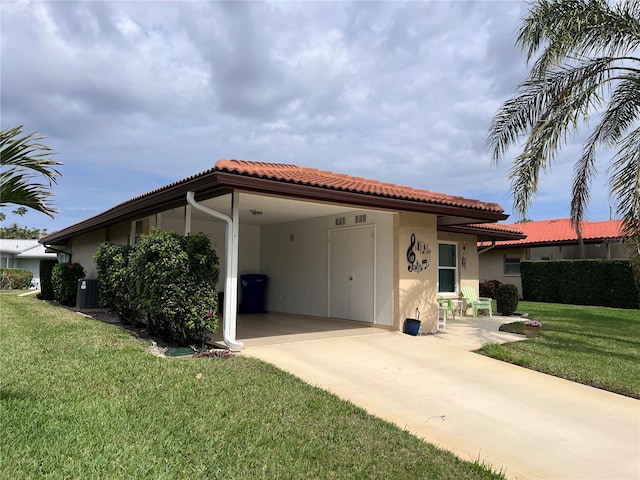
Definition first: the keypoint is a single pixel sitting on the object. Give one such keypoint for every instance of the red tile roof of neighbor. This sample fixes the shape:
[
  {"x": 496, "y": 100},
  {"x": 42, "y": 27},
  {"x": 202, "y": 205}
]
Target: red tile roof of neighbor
[
  {"x": 560, "y": 231},
  {"x": 334, "y": 181}
]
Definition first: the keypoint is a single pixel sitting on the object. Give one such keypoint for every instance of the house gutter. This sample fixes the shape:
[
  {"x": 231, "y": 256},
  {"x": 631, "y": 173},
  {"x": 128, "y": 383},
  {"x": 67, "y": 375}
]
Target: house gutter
[
  {"x": 490, "y": 247},
  {"x": 231, "y": 284}
]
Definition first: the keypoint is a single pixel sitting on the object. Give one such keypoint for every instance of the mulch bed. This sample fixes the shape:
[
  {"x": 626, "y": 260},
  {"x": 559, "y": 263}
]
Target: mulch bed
[{"x": 158, "y": 346}]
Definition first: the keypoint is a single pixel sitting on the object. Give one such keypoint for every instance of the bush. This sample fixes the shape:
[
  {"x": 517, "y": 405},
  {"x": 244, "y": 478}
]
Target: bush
[
  {"x": 175, "y": 280},
  {"x": 116, "y": 281},
  {"x": 46, "y": 287},
  {"x": 15, "y": 279},
  {"x": 506, "y": 299},
  {"x": 488, "y": 288},
  {"x": 64, "y": 279},
  {"x": 606, "y": 283}
]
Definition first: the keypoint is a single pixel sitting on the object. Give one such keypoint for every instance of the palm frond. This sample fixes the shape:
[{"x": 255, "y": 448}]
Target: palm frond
[
  {"x": 19, "y": 191},
  {"x": 622, "y": 112},
  {"x": 578, "y": 28},
  {"x": 624, "y": 183},
  {"x": 23, "y": 159},
  {"x": 538, "y": 99}
]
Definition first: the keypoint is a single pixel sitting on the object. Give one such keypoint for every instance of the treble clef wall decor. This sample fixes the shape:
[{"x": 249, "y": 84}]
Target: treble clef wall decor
[
  {"x": 417, "y": 248},
  {"x": 411, "y": 255}
]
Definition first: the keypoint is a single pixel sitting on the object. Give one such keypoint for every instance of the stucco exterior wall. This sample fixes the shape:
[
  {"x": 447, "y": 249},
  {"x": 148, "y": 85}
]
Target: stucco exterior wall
[
  {"x": 83, "y": 247},
  {"x": 31, "y": 264},
  {"x": 492, "y": 267},
  {"x": 119, "y": 233},
  {"x": 295, "y": 256},
  {"x": 416, "y": 289}
]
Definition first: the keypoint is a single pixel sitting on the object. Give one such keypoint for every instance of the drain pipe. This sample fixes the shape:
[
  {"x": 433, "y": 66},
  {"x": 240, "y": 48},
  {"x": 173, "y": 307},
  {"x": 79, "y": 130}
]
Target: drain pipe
[
  {"x": 231, "y": 284},
  {"x": 490, "y": 247}
]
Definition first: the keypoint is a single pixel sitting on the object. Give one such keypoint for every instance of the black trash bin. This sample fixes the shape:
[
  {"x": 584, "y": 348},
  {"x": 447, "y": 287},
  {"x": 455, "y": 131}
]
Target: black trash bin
[{"x": 253, "y": 287}]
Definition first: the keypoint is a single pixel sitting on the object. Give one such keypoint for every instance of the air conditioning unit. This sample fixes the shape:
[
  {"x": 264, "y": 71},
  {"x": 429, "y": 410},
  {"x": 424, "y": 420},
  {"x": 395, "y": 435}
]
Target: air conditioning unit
[{"x": 87, "y": 293}]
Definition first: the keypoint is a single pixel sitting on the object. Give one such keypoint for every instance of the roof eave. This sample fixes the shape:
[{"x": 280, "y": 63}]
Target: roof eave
[
  {"x": 213, "y": 183},
  {"x": 484, "y": 234},
  {"x": 553, "y": 243}
]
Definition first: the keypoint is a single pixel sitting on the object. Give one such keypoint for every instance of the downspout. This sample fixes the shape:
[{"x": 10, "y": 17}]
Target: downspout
[
  {"x": 231, "y": 284},
  {"x": 490, "y": 247}
]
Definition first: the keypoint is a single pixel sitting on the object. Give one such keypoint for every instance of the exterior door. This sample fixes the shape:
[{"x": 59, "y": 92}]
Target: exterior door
[{"x": 351, "y": 273}]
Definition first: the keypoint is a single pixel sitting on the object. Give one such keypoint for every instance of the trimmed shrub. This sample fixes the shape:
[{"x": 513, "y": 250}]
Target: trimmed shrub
[
  {"x": 488, "y": 288},
  {"x": 64, "y": 278},
  {"x": 46, "y": 287},
  {"x": 116, "y": 282},
  {"x": 606, "y": 283},
  {"x": 175, "y": 280},
  {"x": 506, "y": 299},
  {"x": 15, "y": 278}
]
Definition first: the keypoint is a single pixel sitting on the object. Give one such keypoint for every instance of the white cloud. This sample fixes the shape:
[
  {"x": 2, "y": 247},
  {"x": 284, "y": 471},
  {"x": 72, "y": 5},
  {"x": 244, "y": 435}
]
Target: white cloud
[{"x": 402, "y": 92}]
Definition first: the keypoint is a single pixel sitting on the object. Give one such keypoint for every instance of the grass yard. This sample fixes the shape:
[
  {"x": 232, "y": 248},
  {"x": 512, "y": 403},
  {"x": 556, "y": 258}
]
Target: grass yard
[
  {"x": 596, "y": 346},
  {"x": 83, "y": 399}
]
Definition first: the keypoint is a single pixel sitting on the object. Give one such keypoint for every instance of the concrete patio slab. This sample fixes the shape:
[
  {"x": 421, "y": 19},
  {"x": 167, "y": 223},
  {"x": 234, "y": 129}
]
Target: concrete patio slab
[
  {"x": 528, "y": 424},
  {"x": 274, "y": 329}
]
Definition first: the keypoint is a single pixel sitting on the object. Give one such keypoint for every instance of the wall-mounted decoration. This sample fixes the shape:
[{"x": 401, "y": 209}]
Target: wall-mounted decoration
[
  {"x": 464, "y": 257},
  {"x": 418, "y": 255}
]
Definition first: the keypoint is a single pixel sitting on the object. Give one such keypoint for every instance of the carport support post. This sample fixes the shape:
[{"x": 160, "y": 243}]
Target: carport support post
[
  {"x": 231, "y": 283},
  {"x": 231, "y": 300}
]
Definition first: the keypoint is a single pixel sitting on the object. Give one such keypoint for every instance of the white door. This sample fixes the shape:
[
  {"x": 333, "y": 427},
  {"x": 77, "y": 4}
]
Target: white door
[{"x": 351, "y": 273}]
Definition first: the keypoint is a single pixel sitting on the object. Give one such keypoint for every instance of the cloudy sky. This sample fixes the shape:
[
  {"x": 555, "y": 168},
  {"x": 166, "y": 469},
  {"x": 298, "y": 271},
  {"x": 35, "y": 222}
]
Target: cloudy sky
[{"x": 135, "y": 95}]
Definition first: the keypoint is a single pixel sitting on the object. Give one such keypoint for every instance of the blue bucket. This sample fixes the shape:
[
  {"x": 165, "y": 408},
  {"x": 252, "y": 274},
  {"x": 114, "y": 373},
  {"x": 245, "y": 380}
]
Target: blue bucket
[{"x": 411, "y": 326}]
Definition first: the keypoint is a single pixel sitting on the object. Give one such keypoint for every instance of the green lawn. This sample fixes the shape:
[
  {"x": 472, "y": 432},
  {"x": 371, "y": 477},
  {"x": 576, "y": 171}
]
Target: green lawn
[
  {"x": 597, "y": 346},
  {"x": 82, "y": 399}
]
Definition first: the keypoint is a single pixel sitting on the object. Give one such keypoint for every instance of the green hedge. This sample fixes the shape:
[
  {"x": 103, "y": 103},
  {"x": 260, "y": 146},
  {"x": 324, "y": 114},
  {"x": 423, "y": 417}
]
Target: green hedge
[
  {"x": 607, "y": 283},
  {"x": 169, "y": 277},
  {"x": 15, "y": 278},
  {"x": 116, "y": 282},
  {"x": 64, "y": 278},
  {"x": 46, "y": 287},
  {"x": 176, "y": 279}
]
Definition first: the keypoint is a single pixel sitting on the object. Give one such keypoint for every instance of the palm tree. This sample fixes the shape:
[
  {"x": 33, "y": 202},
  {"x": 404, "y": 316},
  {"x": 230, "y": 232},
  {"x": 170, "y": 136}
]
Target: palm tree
[
  {"x": 587, "y": 65},
  {"x": 22, "y": 159}
]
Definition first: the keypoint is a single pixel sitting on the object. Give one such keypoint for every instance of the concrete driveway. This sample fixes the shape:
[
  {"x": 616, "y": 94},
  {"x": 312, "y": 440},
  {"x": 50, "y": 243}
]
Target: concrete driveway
[{"x": 527, "y": 424}]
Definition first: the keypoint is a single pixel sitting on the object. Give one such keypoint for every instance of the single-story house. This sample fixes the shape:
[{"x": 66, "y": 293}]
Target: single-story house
[
  {"x": 24, "y": 254},
  {"x": 331, "y": 245},
  {"x": 548, "y": 240}
]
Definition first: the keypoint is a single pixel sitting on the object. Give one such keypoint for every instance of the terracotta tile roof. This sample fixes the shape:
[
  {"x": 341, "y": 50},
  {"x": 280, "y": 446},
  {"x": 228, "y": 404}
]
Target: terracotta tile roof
[
  {"x": 560, "y": 231},
  {"x": 255, "y": 176},
  {"x": 498, "y": 227},
  {"x": 334, "y": 181}
]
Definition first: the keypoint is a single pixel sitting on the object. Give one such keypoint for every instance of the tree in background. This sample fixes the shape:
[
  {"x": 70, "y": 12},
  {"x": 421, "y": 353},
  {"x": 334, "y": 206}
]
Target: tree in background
[
  {"x": 586, "y": 66},
  {"x": 16, "y": 232},
  {"x": 23, "y": 160}
]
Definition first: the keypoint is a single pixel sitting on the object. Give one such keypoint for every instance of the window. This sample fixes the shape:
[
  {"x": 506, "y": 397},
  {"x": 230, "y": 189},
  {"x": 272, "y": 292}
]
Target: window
[
  {"x": 447, "y": 267},
  {"x": 512, "y": 265}
]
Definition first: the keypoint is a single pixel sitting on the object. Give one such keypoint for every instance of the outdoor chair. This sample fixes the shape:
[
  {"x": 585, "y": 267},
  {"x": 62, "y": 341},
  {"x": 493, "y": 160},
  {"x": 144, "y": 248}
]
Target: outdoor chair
[
  {"x": 447, "y": 304},
  {"x": 445, "y": 307},
  {"x": 472, "y": 300}
]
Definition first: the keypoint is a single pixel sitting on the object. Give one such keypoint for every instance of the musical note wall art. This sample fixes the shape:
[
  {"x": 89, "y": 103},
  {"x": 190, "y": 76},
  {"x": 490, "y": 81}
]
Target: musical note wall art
[{"x": 418, "y": 255}]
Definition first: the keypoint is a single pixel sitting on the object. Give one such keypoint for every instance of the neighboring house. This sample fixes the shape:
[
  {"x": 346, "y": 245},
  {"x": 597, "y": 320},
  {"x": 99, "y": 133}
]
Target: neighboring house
[
  {"x": 548, "y": 240},
  {"x": 331, "y": 245},
  {"x": 25, "y": 254}
]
